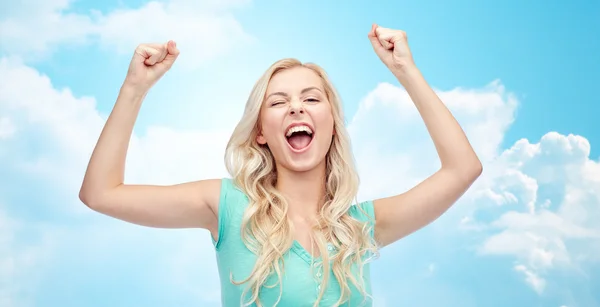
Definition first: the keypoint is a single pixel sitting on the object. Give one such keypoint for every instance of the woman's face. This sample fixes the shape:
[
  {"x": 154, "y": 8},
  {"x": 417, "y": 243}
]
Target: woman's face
[{"x": 296, "y": 119}]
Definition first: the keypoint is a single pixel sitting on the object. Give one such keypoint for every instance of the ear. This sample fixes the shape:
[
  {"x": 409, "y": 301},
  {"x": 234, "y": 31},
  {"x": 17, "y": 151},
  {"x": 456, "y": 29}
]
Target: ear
[{"x": 260, "y": 139}]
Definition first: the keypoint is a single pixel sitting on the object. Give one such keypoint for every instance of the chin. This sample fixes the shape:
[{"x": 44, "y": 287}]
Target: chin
[
  {"x": 303, "y": 165},
  {"x": 308, "y": 160}
]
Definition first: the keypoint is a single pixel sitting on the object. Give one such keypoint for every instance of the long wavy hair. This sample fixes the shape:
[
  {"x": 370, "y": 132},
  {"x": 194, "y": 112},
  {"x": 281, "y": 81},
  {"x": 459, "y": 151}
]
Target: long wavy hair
[{"x": 266, "y": 230}]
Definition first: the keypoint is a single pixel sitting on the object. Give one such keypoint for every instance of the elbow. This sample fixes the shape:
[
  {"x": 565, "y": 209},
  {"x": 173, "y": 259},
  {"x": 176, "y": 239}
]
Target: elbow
[
  {"x": 472, "y": 170},
  {"x": 468, "y": 170},
  {"x": 96, "y": 198},
  {"x": 477, "y": 169},
  {"x": 89, "y": 198},
  {"x": 85, "y": 197}
]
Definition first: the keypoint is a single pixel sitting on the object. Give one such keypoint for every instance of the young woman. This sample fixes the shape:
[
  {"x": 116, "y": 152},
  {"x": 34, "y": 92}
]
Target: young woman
[{"x": 285, "y": 227}]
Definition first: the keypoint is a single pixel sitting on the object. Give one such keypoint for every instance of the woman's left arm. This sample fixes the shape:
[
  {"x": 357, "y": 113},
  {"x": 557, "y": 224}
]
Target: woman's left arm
[{"x": 400, "y": 215}]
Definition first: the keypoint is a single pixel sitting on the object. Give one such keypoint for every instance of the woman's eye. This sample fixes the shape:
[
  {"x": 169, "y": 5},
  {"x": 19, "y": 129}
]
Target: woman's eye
[{"x": 312, "y": 100}]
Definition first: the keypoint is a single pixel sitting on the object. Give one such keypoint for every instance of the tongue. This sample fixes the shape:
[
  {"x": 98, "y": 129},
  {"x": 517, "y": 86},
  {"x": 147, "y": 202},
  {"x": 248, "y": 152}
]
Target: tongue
[{"x": 299, "y": 141}]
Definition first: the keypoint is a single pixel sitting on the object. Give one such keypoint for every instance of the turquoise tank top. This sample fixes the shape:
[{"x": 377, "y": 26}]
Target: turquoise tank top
[{"x": 300, "y": 280}]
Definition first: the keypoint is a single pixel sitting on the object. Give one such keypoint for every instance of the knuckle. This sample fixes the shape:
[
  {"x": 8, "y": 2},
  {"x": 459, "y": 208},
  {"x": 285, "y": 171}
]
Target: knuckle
[{"x": 147, "y": 47}]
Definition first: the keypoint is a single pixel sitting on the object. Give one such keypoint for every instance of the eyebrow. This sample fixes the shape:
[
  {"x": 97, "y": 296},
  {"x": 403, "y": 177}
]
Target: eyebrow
[{"x": 302, "y": 92}]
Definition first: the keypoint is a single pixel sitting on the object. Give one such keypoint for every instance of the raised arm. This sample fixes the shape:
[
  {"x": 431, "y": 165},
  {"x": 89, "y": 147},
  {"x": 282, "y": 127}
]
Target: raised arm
[
  {"x": 400, "y": 215},
  {"x": 185, "y": 205}
]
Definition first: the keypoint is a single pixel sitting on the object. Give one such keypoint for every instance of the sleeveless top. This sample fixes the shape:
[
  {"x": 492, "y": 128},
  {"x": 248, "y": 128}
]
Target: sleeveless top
[{"x": 300, "y": 277}]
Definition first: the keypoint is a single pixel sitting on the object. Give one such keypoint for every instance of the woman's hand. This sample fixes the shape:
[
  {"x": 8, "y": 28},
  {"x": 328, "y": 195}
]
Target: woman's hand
[
  {"x": 392, "y": 48},
  {"x": 149, "y": 63}
]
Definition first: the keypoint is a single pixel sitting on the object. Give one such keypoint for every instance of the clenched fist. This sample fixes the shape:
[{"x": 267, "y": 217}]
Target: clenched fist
[
  {"x": 391, "y": 46},
  {"x": 149, "y": 63}
]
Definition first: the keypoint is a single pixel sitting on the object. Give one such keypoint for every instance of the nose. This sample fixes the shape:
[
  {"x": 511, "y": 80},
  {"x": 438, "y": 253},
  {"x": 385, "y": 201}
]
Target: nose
[{"x": 296, "y": 107}]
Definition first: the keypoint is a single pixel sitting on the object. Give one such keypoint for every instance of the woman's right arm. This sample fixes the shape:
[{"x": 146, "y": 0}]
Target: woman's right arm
[{"x": 192, "y": 204}]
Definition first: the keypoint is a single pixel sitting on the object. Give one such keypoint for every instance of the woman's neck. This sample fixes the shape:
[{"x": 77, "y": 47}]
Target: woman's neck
[{"x": 304, "y": 191}]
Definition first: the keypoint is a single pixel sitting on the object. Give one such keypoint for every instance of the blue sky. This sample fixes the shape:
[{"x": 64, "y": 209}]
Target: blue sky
[{"x": 519, "y": 78}]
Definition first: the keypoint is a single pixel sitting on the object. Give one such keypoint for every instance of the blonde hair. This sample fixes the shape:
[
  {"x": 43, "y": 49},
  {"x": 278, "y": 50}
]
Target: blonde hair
[{"x": 266, "y": 230}]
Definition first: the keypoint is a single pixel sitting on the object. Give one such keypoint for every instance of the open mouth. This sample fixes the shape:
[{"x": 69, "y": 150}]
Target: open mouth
[{"x": 299, "y": 137}]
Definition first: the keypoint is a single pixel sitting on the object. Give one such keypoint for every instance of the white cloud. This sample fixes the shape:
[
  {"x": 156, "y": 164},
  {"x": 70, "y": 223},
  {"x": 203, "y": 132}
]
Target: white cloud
[
  {"x": 517, "y": 201},
  {"x": 562, "y": 230},
  {"x": 7, "y": 128},
  {"x": 67, "y": 128},
  {"x": 537, "y": 283},
  {"x": 201, "y": 33},
  {"x": 36, "y": 26},
  {"x": 388, "y": 126},
  {"x": 20, "y": 260},
  {"x": 203, "y": 29}
]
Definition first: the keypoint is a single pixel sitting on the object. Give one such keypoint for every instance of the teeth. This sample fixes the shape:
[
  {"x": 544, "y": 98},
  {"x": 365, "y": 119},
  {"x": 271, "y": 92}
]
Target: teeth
[{"x": 298, "y": 129}]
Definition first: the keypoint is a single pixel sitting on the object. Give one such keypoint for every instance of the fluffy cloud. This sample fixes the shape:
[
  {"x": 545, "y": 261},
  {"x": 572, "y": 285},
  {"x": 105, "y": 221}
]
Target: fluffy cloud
[
  {"x": 204, "y": 29},
  {"x": 35, "y": 26},
  {"x": 201, "y": 32},
  {"x": 387, "y": 125},
  {"x": 538, "y": 203},
  {"x": 20, "y": 260},
  {"x": 64, "y": 129},
  {"x": 559, "y": 227},
  {"x": 7, "y": 128}
]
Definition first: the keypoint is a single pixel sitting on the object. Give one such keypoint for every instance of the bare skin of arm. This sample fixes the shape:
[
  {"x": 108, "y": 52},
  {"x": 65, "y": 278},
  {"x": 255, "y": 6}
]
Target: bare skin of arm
[
  {"x": 398, "y": 216},
  {"x": 186, "y": 205}
]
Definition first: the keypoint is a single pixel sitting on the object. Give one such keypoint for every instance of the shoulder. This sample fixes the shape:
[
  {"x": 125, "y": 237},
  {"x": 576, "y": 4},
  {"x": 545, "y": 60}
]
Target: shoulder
[
  {"x": 230, "y": 209},
  {"x": 231, "y": 197},
  {"x": 364, "y": 212},
  {"x": 230, "y": 192}
]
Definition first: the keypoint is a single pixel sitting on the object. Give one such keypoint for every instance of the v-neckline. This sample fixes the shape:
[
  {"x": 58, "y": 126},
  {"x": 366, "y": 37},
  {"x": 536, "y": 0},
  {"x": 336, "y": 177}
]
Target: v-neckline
[{"x": 305, "y": 255}]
